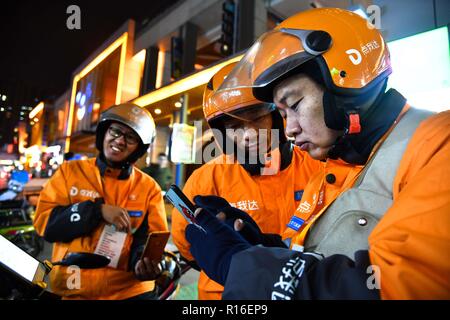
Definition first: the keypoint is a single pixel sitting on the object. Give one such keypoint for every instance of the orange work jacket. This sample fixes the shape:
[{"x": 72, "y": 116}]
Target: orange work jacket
[
  {"x": 78, "y": 181},
  {"x": 411, "y": 243}
]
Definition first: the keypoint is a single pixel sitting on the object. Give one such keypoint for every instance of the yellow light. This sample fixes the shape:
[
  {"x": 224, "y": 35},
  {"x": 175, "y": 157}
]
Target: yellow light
[
  {"x": 140, "y": 56},
  {"x": 178, "y": 104},
  {"x": 160, "y": 69},
  {"x": 121, "y": 41},
  {"x": 36, "y": 120},
  {"x": 158, "y": 111},
  {"x": 36, "y": 110},
  {"x": 102, "y": 56},
  {"x": 96, "y": 106},
  {"x": 123, "y": 54},
  {"x": 197, "y": 79}
]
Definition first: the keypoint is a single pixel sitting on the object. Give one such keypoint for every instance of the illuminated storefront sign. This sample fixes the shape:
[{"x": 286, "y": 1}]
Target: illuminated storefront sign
[
  {"x": 98, "y": 84},
  {"x": 183, "y": 143}
]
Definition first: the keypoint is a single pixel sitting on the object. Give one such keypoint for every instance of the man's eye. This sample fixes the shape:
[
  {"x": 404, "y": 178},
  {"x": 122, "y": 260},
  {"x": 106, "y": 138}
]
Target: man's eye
[
  {"x": 294, "y": 107},
  {"x": 115, "y": 132}
]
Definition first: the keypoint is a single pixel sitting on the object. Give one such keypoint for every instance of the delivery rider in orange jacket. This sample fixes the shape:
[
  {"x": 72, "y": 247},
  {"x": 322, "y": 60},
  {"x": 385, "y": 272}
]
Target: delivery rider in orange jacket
[
  {"x": 378, "y": 211},
  {"x": 251, "y": 187},
  {"x": 105, "y": 206}
]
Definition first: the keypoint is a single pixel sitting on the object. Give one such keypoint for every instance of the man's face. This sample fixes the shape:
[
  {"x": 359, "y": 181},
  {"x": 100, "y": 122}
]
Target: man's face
[
  {"x": 299, "y": 100},
  {"x": 119, "y": 143},
  {"x": 250, "y": 136}
]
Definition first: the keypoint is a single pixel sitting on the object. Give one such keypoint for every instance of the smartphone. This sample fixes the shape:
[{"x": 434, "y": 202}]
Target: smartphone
[
  {"x": 181, "y": 203},
  {"x": 156, "y": 242},
  {"x": 20, "y": 264}
]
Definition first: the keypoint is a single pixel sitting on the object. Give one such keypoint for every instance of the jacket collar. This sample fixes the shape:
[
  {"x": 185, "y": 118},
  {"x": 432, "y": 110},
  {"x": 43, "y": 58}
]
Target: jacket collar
[
  {"x": 121, "y": 173},
  {"x": 355, "y": 149},
  {"x": 285, "y": 159}
]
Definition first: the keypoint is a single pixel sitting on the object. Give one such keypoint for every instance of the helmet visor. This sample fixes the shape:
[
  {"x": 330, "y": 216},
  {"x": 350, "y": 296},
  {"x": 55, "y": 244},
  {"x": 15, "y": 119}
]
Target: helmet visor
[
  {"x": 251, "y": 113},
  {"x": 274, "y": 54}
]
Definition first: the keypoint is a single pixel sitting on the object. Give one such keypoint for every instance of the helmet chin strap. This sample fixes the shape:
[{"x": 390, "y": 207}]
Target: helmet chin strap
[
  {"x": 376, "y": 120},
  {"x": 103, "y": 164},
  {"x": 345, "y": 113},
  {"x": 115, "y": 165}
]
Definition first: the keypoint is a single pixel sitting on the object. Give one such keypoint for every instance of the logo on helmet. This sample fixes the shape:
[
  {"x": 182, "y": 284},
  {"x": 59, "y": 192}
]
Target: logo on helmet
[{"x": 354, "y": 56}]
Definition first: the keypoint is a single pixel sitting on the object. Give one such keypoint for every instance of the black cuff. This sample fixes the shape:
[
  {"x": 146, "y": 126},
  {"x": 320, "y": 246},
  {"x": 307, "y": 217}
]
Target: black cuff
[
  {"x": 273, "y": 240},
  {"x": 76, "y": 220}
]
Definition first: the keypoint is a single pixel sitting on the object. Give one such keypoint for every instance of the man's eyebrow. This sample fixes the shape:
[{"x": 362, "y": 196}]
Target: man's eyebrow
[{"x": 285, "y": 96}]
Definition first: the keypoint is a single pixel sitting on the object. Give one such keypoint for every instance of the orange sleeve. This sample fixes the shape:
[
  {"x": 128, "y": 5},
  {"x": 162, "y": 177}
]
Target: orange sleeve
[
  {"x": 199, "y": 183},
  {"x": 54, "y": 193},
  {"x": 157, "y": 219},
  {"x": 411, "y": 244}
]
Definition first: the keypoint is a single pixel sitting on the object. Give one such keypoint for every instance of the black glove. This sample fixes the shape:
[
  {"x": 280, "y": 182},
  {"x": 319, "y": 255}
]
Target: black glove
[
  {"x": 250, "y": 230},
  {"x": 214, "y": 246}
]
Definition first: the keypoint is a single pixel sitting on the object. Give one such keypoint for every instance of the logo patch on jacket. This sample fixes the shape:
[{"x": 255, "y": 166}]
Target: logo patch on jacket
[
  {"x": 83, "y": 192},
  {"x": 295, "y": 223},
  {"x": 135, "y": 213},
  {"x": 246, "y": 205}
]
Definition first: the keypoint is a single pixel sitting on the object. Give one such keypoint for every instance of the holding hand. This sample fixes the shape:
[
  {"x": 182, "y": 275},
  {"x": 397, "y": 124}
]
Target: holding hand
[
  {"x": 239, "y": 220},
  {"x": 146, "y": 269},
  {"x": 116, "y": 216},
  {"x": 214, "y": 249}
]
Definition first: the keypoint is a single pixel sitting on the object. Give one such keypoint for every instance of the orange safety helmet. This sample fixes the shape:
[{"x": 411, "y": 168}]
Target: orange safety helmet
[
  {"x": 351, "y": 54},
  {"x": 238, "y": 103},
  {"x": 229, "y": 103}
]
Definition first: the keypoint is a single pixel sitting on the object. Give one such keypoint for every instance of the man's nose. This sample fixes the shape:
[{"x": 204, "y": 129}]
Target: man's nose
[
  {"x": 120, "y": 139},
  {"x": 292, "y": 128}
]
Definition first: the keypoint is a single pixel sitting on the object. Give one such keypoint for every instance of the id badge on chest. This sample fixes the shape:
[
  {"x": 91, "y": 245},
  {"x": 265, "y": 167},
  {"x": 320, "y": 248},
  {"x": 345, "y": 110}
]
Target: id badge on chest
[{"x": 111, "y": 244}]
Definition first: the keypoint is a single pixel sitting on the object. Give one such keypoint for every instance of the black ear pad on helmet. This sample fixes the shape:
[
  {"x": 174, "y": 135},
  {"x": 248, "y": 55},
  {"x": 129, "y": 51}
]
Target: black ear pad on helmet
[
  {"x": 335, "y": 117},
  {"x": 277, "y": 123},
  {"x": 100, "y": 134}
]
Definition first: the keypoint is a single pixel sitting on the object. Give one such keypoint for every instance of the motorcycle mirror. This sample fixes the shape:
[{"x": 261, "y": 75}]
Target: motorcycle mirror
[{"x": 84, "y": 260}]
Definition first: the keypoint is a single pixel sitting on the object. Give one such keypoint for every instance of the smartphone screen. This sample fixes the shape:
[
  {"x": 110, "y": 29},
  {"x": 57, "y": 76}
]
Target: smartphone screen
[
  {"x": 181, "y": 203},
  {"x": 18, "y": 260}
]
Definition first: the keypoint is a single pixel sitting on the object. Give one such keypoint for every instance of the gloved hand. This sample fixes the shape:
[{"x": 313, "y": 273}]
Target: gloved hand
[
  {"x": 239, "y": 220},
  {"x": 214, "y": 249}
]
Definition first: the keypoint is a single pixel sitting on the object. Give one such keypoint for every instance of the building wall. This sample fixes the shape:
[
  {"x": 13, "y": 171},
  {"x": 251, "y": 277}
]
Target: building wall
[{"x": 403, "y": 18}]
